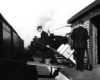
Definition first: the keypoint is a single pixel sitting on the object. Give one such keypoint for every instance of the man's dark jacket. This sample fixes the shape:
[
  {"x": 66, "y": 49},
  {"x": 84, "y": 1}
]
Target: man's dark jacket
[
  {"x": 79, "y": 37},
  {"x": 44, "y": 39}
]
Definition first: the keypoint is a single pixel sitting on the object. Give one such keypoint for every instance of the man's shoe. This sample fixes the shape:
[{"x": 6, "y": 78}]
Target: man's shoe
[
  {"x": 55, "y": 64},
  {"x": 77, "y": 70}
]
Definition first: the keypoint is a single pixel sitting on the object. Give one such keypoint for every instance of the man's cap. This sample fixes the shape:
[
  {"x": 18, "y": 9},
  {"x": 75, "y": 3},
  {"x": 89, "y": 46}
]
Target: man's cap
[
  {"x": 68, "y": 33},
  {"x": 39, "y": 27}
]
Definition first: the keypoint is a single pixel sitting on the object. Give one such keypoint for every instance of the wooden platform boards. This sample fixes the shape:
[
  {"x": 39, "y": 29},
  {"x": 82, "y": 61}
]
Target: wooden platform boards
[{"x": 42, "y": 64}]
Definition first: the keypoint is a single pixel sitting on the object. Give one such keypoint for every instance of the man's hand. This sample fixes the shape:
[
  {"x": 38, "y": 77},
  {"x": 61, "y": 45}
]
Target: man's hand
[{"x": 47, "y": 46}]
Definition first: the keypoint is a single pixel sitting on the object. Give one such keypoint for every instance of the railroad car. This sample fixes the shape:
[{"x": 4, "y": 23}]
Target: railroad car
[{"x": 10, "y": 42}]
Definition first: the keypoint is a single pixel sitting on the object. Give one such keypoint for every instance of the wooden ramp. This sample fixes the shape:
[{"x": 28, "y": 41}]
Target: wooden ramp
[
  {"x": 41, "y": 64},
  {"x": 32, "y": 63}
]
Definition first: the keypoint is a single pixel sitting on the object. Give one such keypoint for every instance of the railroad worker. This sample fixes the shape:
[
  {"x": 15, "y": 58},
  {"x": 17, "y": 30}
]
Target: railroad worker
[
  {"x": 79, "y": 37},
  {"x": 68, "y": 38},
  {"x": 45, "y": 46}
]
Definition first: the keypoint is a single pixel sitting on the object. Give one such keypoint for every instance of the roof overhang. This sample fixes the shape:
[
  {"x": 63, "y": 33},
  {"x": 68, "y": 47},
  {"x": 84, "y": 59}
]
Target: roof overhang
[{"x": 83, "y": 11}]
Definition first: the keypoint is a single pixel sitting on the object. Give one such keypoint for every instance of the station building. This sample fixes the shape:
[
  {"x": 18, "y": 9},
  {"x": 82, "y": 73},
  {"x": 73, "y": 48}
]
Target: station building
[{"x": 91, "y": 17}]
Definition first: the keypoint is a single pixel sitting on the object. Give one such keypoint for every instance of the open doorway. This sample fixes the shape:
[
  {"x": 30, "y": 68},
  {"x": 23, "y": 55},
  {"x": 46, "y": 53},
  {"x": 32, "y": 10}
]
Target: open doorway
[{"x": 94, "y": 33}]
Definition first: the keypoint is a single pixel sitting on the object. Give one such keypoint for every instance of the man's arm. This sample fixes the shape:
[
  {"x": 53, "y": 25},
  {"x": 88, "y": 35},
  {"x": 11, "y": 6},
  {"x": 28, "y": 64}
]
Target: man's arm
[{"x": 86, "y": 34}]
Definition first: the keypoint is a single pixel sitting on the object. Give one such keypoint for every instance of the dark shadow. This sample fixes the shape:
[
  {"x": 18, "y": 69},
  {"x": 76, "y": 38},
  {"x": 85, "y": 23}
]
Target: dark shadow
[
  {"x": 96, "y": 22},
  {"x": 18, "y": 71}
]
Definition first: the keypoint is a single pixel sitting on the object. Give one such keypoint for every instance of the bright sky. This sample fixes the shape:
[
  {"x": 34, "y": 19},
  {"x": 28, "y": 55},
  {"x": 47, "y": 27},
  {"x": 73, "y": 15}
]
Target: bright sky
[{"x": 26, "y": 15}]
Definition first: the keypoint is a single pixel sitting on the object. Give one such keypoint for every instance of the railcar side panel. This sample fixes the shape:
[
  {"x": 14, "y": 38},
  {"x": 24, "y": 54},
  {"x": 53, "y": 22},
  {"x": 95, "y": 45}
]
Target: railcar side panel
[
  {"x": 7, "y": 46},
  {"x": 1, "y": 41},
  {"x": 10, "y": 42}
]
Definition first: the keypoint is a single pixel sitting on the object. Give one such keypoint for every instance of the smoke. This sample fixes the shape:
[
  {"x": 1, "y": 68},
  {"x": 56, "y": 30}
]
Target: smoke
[
  {"x": 43, "y": 20},
  {"x": 26, "y": 15},
  {"x": 46, "y": 19}
]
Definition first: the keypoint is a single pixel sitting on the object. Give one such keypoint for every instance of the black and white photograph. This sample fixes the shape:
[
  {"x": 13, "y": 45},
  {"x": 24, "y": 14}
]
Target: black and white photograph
[{"x": 49, "y": 40}]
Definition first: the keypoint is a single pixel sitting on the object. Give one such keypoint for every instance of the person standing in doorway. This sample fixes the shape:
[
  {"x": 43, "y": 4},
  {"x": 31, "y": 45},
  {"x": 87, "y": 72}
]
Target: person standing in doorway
[
  {"x": 79, "y": 37},
  {"x": 45, "y": 44}
]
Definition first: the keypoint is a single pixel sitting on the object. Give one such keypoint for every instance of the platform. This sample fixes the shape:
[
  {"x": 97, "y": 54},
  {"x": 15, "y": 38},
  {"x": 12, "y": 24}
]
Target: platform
[{"x": 86, "y": 75}]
